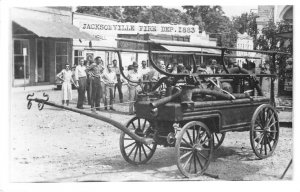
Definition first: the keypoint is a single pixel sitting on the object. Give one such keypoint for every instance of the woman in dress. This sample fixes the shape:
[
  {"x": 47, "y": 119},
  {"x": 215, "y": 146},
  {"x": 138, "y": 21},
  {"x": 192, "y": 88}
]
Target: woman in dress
[{"x": 66, "y": 76}]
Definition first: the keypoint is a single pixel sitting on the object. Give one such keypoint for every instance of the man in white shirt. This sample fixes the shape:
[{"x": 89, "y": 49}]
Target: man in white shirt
[
  {"x": 109, "y": 79},
  {"x": 80, "y": 78},
  {"x": 132, "y": 87},
  {"x": 144, "y": 70}
]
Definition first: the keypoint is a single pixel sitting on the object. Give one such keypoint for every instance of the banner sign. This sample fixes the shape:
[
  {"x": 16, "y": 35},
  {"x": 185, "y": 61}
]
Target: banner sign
[{"x": 139, "y": 28}]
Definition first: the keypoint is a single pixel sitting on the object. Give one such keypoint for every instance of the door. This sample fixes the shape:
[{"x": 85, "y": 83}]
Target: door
[
  {"x": 20, "y": 62},
  {"x": 40, "y": 54}
]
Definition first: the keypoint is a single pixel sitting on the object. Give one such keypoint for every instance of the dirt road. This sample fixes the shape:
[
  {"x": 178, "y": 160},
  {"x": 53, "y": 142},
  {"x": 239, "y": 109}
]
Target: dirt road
[{"x": 54, "y": 145}]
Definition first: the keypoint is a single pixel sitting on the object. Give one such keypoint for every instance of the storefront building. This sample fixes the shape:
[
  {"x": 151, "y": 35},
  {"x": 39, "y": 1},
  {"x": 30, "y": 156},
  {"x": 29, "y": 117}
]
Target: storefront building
[
  {"x": 107, "y": 30},
  {"x": 88, "y": 23},
  {"x": 42, "y": 40},
  {"x": 244, "y": 41}
]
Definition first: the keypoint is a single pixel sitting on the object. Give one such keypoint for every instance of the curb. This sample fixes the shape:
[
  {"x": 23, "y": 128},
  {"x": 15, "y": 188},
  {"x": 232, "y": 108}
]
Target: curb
[{"x": 32, "y": 88}]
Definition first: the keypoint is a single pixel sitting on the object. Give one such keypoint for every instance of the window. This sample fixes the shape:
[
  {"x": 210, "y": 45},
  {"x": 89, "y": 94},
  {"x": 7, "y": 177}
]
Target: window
[
  {"x": 77, "y": 55},
  {"x": 61, "y": 55},
  {"x": 181, "y": 38},
  {"x": 19, "y": 44}
]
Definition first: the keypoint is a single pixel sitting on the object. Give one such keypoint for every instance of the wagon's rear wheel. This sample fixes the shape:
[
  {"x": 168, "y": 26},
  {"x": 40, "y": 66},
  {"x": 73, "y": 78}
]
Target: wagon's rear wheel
[
  {"x": 194, "y": 147},
  {"x": 218, "y": 139},
  {"x": 264, "y": 132},
  {"x": 135, "y": 152}
]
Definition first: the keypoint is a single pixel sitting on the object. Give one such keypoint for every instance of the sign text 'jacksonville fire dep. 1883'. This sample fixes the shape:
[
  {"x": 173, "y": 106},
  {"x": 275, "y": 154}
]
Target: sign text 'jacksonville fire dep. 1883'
[{"x": 141, "y": 28}]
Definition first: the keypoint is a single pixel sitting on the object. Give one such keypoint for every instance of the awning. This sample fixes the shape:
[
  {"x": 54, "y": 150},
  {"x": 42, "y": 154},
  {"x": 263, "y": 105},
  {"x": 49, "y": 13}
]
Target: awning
[
  {"x": 53, "y": 29},
  {"x": 191, "y": 49}
]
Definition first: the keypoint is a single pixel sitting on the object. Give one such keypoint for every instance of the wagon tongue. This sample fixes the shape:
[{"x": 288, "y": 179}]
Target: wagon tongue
[
  {"x": 148, "y": 141},
  {"x": 44, "y": 101}
]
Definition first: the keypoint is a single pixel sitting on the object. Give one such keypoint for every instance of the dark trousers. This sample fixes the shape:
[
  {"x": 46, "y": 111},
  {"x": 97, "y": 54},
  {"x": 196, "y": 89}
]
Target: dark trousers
[
  {"x": 81, "y": 91},
  {"x": 88, "y": 93},
  {"x": 119, "y": 87},
  {"x": 95, "y": 91}
]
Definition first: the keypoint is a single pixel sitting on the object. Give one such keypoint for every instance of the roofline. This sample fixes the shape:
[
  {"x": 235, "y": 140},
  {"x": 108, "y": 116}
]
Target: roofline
[{"x": 89, "y": 15}]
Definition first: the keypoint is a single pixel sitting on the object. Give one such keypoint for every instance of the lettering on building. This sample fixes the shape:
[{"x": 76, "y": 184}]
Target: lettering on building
[{"x": 140, "y": 28}]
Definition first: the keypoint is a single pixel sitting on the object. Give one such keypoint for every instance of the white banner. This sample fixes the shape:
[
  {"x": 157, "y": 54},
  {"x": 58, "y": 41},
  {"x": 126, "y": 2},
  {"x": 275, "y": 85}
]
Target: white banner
[{"x": 138, "y": 28}]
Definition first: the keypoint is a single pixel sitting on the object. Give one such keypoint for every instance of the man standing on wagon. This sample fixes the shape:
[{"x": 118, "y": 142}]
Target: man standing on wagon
[{"x": 94, "y": 71}]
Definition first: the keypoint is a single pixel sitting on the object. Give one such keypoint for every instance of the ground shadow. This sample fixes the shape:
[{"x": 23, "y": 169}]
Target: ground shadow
[
  {"x": 228, "y": 163},
  {"x": 233, "y": 163}
]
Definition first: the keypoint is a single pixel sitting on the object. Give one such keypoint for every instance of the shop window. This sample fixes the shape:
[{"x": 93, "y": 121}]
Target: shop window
[
  {"x": 77, "y": 56},
  {"x": 19, "y": 67},
  {"x": 180, "y": 38},
  {"x": 61, "y": 55}
]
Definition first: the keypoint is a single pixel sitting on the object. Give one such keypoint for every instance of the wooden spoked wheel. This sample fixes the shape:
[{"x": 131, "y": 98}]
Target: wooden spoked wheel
[
  {"x": 218, "y": 139},
  {"x": 264, "y": 132},
  {"x": 135, "y": 152},
  {"x": 194, "y": 147}
]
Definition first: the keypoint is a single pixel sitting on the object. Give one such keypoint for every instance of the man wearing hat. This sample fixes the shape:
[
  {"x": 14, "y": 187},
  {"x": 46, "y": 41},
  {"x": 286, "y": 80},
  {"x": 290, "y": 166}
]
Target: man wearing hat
[
  {"x": 132, "y": 87},
  {"x": 94, "y": 71}
]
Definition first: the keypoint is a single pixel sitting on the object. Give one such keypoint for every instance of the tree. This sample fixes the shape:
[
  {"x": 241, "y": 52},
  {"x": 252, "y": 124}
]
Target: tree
[
  {"x": 134, "y": 14},
  {"x": 113, "y": 12},
  {"x": 159, "y": 14},
  {"x": 212, "y": 20},
  {"x": 270, "y": 41},
  {"x": 247, "y": 23}
]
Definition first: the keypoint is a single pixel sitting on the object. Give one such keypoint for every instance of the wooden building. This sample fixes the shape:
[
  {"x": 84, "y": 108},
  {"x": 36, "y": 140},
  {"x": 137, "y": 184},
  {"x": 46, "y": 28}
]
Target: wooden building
[{"x": 42, "y": 40}]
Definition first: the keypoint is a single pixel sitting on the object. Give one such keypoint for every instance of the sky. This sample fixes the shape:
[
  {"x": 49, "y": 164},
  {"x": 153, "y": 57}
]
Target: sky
[
  {"x": 230, "y": 11},
  {"x": 238, "y": 10}
]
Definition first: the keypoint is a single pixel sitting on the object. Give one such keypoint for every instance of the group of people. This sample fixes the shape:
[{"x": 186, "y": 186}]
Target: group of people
[
  {"x": 94, "y": 79},
  {"x": 97, "y": 81}
]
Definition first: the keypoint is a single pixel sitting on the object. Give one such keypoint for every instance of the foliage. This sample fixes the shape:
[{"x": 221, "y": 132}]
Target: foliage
[
  {"x": 212, "y": 20},
  {"x": 269, "y": 40},
  {"x": 247, "y": 23},
  {"x": 209, "y": 18},
  {"x": 159, "y": 14},
  {"x": 113, "y": 12},
  {"x": 135, "y": 14}
]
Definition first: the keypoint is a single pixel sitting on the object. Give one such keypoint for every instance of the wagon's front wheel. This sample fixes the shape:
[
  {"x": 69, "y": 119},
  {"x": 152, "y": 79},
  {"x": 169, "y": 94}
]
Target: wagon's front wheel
[
  {"x": 135, "y": 152},
  {"x": 194, "y": 147},
  {"x": 264, "y": 132}
]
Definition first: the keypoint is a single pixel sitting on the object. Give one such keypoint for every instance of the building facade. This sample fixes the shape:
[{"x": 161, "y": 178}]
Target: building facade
[
  {"x": 103, "y": 40},
  {"x": 244, "y": 41},
  {"x": 42, "y": 40},
  {"x": 45, "y": 39},
  {"x": 107, "y": 30}
]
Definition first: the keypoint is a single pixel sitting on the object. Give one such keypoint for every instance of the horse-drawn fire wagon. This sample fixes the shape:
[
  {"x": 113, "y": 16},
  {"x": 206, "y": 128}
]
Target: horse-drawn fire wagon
[{"x": 194, "y": 111}]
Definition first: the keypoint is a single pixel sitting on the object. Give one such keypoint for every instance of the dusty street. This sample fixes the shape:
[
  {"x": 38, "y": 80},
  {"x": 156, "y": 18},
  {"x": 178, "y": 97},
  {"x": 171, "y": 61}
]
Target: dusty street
[{"x": 55, "y": 145}]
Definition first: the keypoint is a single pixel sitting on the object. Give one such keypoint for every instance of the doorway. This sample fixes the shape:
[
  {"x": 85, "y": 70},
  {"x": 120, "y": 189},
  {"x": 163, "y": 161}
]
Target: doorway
[
  {"x": 21, "y": 62},
  {"x": 40, "y": 54}
]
